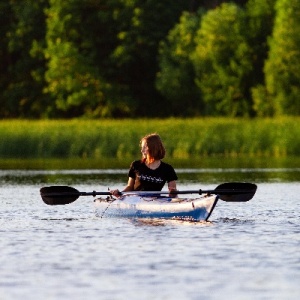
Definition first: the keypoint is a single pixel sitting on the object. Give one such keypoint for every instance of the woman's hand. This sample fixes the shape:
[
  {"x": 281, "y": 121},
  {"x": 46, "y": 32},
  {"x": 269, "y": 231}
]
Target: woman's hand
[
  {"x": 115, "y": 193},
  {"x": 173, "y": 193}
]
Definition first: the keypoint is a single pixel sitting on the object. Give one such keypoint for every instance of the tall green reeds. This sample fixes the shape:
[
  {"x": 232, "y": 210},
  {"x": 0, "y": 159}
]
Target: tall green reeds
[{"x": 183, "y": 138}]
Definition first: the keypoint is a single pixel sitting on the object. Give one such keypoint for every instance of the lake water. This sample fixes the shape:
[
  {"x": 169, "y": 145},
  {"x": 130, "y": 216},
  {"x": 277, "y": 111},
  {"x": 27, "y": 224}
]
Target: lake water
[{"x": 247, "y": 250}]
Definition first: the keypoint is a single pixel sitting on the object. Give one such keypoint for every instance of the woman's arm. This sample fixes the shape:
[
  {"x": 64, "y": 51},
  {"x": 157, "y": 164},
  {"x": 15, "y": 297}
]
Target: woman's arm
[{"x": 130, "y": 185}]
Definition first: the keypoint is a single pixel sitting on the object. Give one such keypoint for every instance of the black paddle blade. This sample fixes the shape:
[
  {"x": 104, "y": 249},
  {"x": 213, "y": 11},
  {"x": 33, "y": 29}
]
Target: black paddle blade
[
  {"x": 59, "y": 195},
  {"x": 236, "y": 191}
]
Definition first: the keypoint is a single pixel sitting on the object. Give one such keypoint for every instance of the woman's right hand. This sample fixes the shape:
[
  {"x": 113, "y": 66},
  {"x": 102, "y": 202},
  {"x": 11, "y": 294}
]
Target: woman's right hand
[{"x": 115, "y": 193}]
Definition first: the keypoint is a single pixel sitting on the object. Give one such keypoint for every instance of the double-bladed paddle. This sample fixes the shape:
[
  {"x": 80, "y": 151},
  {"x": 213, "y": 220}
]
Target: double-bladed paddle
[{"x": 229, "y": 192}]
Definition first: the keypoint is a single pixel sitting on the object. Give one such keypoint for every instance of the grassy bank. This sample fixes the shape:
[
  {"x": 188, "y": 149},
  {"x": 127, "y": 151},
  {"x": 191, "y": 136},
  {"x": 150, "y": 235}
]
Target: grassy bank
[{"x": 183, "y": 138}]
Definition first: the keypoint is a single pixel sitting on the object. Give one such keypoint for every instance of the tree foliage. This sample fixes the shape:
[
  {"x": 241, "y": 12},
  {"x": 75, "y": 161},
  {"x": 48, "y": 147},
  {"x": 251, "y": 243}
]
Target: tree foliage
[
  {"x": 175, "y": 80},
  {"x": 222, "y": 62},
  {"x": 73, "y": 80},
  {"x": 23, "y": 30},
  {"x": 128, "y": 58},
  {"x": 261, "y": 15},
  {"x": 143, "y": 24},
  {"x": 282, "y": 68}
]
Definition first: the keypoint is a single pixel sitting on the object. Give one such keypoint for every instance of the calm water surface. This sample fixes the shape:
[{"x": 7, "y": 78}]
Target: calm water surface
[{"x": 247, "y": 250}]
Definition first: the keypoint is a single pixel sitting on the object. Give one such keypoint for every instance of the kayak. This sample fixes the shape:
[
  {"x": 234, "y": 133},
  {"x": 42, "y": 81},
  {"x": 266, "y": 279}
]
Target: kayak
[
  {"x": 153, "y": 204},
  {"x": 139, "y": 206}
]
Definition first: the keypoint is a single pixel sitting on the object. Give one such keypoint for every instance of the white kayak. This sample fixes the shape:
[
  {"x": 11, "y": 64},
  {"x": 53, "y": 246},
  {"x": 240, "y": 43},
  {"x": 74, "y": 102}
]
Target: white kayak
[
  {"x": 152, "y": 204},
  {"x": 139, "y": 206}
]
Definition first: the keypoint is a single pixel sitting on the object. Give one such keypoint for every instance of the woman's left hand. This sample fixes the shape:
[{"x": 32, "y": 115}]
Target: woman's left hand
[{"x": 173, "y": 193}]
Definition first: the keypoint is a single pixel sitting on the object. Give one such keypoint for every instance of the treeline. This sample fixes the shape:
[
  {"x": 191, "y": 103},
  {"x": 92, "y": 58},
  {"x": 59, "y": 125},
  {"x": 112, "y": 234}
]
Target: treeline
[{"x": 129, "y": 58}]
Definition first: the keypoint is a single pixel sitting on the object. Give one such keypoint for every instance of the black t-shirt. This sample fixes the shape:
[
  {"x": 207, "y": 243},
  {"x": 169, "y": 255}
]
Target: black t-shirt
[{"x": 147, "y": 179}]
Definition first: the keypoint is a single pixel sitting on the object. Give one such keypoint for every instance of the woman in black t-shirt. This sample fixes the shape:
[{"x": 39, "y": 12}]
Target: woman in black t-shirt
[{"x": 150, "y": 173}]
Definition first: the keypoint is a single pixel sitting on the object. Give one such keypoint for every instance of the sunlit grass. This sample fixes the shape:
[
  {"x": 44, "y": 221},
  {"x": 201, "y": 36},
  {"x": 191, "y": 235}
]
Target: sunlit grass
[{"x": 183, "y": 138}]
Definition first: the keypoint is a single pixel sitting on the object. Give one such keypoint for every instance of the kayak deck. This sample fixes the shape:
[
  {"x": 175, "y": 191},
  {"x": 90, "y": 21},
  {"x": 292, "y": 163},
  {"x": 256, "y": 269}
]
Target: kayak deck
[{"x": 138, "y": 206}]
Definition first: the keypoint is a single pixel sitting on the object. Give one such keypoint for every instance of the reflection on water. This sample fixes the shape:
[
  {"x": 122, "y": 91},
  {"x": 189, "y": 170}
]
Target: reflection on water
[
  {"x": 61, "y": 219},
  {"x": 234, "y": 221},
  {"x": 107, "y": 177},
  {"x": 161, "y": 222}
]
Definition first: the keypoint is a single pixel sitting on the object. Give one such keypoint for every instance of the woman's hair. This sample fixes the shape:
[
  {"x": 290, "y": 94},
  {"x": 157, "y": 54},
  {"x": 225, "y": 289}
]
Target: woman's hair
[{"x": 155, "y": 146}]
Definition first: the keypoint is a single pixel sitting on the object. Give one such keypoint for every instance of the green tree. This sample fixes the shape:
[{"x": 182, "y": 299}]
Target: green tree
[
  {"x": 142, "y": 25},
  {"x": 107, "y": 20},
  {"x": 175, "y": 80},
  {"x": 282, "y": 69},
  {"x": 5, "y": 20},
  {"x": 73, "y": 81},
  {"x": 261, "y": 15},
  {"x": 222, "y": 62},
  {"x": 23, "y": 31}
]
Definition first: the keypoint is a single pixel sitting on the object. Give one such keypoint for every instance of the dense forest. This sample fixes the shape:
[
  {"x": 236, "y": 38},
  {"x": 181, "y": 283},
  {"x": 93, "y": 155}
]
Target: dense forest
[{"x": 149, "y": 58}]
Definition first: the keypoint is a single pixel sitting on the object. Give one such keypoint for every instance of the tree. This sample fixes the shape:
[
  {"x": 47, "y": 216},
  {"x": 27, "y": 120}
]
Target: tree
[
  {"x": 5, "y": 13},
  {"x": 222, "y": 62},
  {"x": 143, "y": 24},
  {"x": 175, "y": 80},
  {"x": 282, "y": 68},
  {"x": 24, "y": 29},
  {"x": 73, "y": 81},
  {"x": 260, "y": 19}
]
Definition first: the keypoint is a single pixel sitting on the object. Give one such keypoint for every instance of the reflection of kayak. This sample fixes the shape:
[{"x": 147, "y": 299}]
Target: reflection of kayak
[{"x": 138, "y": 206}]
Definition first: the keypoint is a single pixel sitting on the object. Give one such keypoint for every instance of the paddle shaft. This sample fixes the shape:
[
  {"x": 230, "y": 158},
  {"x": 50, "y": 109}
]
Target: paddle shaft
[
  {"x": 152, "y": 193},
  {"x": 200, "y": 192}
]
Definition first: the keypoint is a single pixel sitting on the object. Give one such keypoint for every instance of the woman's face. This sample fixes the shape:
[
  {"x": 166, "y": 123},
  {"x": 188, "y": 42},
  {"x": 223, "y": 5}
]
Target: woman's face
[{"x": 144, "y": 149}]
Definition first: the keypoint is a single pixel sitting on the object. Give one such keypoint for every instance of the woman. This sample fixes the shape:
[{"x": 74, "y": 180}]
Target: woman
[{"x": 150, "y": 173}]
